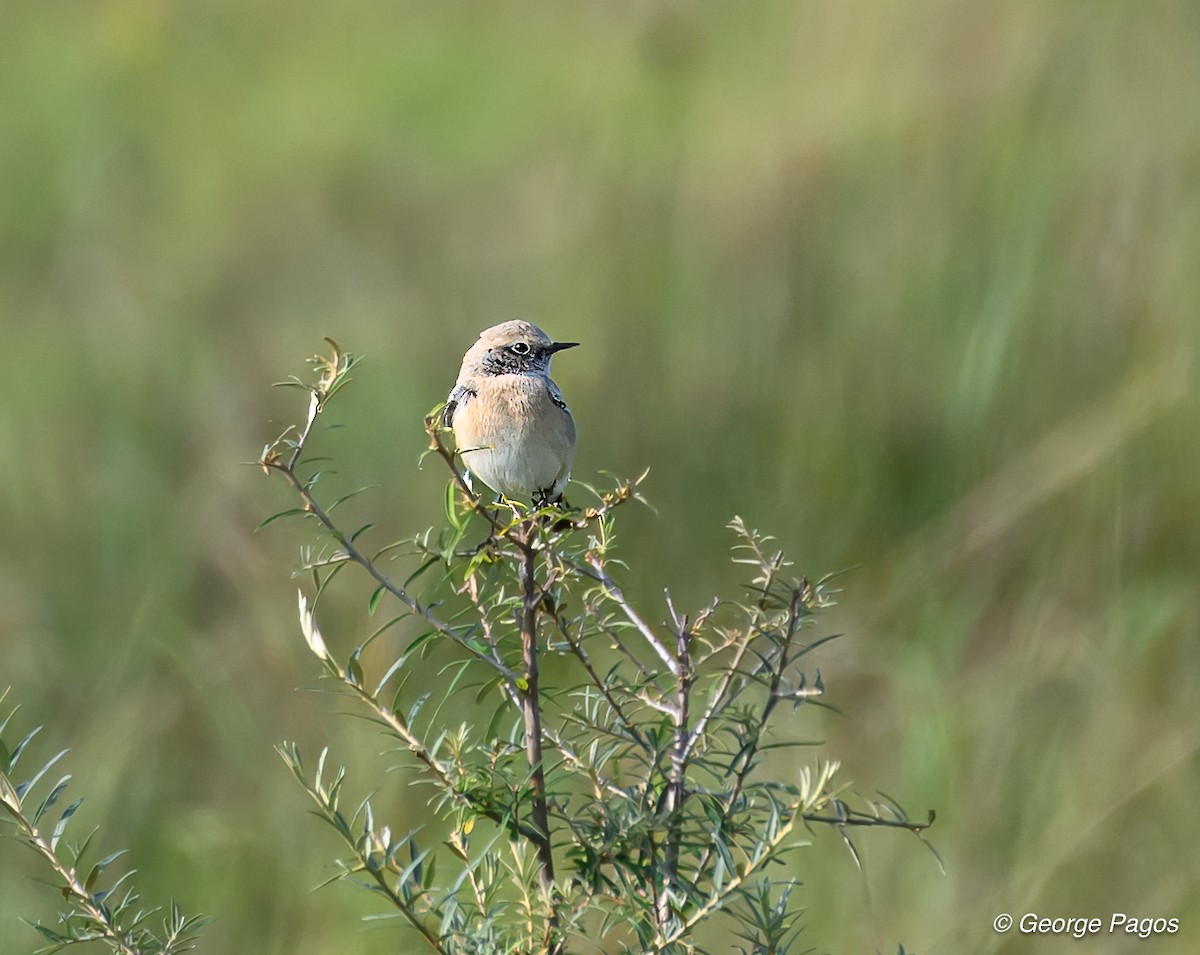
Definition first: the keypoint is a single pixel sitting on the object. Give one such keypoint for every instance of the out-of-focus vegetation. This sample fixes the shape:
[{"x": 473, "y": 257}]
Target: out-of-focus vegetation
[{"x": 911, "y": 286}]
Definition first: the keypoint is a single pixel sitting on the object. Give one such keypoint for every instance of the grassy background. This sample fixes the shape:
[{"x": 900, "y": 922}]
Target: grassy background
[{"x": 912, "y": 286}]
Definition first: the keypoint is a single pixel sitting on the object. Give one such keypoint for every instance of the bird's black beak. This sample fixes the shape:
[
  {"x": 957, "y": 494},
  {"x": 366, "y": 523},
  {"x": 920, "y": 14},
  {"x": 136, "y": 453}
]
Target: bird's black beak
[{"x": 559, "y": 346}]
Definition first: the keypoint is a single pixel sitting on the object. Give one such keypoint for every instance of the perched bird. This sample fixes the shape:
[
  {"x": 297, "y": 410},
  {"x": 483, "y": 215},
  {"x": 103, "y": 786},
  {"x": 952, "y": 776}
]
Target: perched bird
[{"x": 513, "y": 430}]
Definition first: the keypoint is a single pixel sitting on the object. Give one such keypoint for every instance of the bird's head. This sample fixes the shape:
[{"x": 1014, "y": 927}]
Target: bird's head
[{"x": 512, "y": 348}]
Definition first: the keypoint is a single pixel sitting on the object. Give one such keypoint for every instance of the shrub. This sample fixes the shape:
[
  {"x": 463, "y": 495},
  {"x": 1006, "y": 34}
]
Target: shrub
[{"x": 627, "y": 804}]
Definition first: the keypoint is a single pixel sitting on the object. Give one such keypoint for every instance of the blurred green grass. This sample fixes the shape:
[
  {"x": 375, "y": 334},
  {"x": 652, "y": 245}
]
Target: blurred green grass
[{"x": 912, "y": 287}]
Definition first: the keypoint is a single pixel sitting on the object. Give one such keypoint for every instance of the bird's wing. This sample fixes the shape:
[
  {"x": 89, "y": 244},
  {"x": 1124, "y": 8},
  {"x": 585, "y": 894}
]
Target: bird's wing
[
  {"x": 557, "y": 398},
  {"x": 460, "y": 394}
]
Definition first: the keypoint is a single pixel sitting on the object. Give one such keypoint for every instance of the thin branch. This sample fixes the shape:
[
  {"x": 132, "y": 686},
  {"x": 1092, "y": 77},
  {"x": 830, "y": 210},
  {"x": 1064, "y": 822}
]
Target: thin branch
[
  {"x": 585, "y": 659},
  {"x": 677, "y": 772},
  {"x": 614, "y": 592},
  {"x": 71, "y": 887},
  {"x": 531, "y": 707},
  {"x": 849, "y": 817},
  {"x": 599, "y": 786},
  {"x": 400, "y": 728},
  {"x": 750, "y": 749},
  {"x": 378, "y": 874},
  {"x": 720, "y": 700},
  {"x": 531, "y": 710},
  {"x": 459, "y": 847},
  {"x": 718, "y": 900},
  {"x": 643, "y": 671},
  {"x": 287, "y": 469}
]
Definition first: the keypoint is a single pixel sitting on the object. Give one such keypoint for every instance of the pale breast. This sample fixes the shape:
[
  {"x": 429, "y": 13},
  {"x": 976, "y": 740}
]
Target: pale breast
[{"x": 513, "y": 436}]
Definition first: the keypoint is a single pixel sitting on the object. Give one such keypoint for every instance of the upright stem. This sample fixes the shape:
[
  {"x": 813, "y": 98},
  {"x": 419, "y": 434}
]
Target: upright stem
[
  {"x": 677, "y": 772},
  {"x": 532, "y": 710}
]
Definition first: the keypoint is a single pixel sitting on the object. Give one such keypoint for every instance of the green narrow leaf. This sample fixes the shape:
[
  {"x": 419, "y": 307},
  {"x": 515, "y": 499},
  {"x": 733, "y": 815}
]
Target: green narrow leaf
[
  {"x": 375, "y": 597},
  {"x": 391, "y": 672},
  {"x": 396, "y": 697},
  {"x": 456, "y": 538},
  {"x": 418, "y": 572},
  {"x": 463, "y": 666},
  {"x": 387, "y": 626},
  {"x": 418, "y": 640},
  {"x": 478, "y": 647},
  {"x": 23, "y": 788},
  {"x": 417, "y": 860},
  {"x": 4, "y": 722},
  {"x": 451, "y": 502},
  {"x": 493, "y": 728},
  {"x": 388, "y": 548},
  {"x": 486, "y": 687},
  {"x": 49, "y": 935},
  {"x": 289, "y": 752},
  {"x": 16, "y": 753},
  {"x": 90, "y": 882},
  {"x": 724, "y": 853},
  {"x": 78, "y": 852},
  {"x": 719, "y": 874},
  {"x": 322, "y": 583},
  {"x": 416, "y": 707},
  {"x": 354, "y": 670},
  {"x": 290, "y": 512},
  {"x": 50, "y": 799},
  {"x": 346, "y": 497},
  {"x": 321, "y": 765}
]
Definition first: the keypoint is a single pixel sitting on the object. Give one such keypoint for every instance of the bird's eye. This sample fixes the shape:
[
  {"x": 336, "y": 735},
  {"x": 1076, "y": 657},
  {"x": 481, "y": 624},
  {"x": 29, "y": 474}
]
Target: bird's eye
[{"x": 519, "y": 348}]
